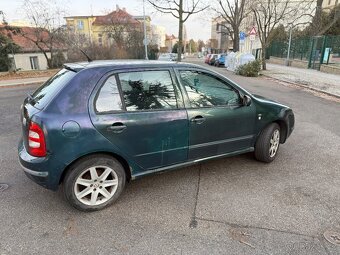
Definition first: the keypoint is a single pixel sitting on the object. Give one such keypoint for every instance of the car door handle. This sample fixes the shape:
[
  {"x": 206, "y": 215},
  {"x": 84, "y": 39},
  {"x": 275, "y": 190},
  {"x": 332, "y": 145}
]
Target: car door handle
[
  {"x": 198, "y": 119},
  {"x": 117, "y": 127}
]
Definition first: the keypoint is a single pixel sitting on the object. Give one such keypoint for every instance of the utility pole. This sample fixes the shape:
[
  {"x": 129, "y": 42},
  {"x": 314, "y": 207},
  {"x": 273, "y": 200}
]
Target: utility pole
[
  {"x": 289, "y": 45},
  {"x": 145, "y": 41}
]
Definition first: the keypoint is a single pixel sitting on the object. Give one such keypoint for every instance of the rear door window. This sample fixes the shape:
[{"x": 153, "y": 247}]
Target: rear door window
[{"x": 148, "y": 90}]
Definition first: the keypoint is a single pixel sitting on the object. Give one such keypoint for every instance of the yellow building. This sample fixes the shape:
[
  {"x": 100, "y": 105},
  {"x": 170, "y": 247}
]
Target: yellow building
[
  {"x": 81, "y": 25},
  {"x": 100, "y": 29}
]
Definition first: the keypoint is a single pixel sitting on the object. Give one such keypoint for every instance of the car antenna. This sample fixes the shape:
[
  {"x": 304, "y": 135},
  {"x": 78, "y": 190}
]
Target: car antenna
[{"x": 88, "y": 58}]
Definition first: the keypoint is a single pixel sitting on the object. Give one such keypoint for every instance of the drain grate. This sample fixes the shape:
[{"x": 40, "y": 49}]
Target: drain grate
[
  {"x": 3, "y": 187},
  {"x": 332, "y": 237}
]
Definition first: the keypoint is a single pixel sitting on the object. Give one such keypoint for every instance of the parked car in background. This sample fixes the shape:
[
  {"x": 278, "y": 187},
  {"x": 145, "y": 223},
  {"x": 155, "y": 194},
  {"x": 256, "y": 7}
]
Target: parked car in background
[
  {"x": 165, "y": 57},
  {"x": 174, "y": 56},
  {"x": 207, "y": 57},
  {"x": 95, "y": 126},
  {"x": 220, "y": 60},
  {"x": 212, "y": 59}
]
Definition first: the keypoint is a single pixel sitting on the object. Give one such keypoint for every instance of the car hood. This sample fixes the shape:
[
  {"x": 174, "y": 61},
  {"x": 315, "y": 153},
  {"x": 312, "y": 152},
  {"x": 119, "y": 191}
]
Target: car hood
[{"x": 263, "y": 99}]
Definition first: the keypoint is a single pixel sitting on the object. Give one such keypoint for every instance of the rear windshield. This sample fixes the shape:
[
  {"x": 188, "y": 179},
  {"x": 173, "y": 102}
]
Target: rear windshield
[{"x": 43, "y": 95}]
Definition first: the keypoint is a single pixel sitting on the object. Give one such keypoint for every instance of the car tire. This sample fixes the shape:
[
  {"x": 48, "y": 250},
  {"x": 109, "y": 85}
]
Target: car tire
[
  {"x": 94, "y": 182},
  {"x": 268, "y": 143}
]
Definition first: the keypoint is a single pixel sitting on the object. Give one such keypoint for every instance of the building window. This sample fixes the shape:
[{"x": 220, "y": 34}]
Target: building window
[
  {"x": 80, "y": 25},
  {"x": 100, "y": 39},
  {"x": 34, "y": 63}
]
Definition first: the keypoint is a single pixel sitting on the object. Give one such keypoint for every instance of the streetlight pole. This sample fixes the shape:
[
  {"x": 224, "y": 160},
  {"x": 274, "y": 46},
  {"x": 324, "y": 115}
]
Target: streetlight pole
[
  {"x": 145, "y": 41},
  {"x": 289, "y": 45}
]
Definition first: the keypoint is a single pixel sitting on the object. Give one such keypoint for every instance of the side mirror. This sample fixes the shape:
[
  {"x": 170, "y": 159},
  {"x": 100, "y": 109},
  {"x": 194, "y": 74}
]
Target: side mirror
[{"x": 246, "y": 100}]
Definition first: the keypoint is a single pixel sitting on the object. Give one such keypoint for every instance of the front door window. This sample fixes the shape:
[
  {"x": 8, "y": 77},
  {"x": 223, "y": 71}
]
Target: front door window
[{"x": 205, "y": 90}]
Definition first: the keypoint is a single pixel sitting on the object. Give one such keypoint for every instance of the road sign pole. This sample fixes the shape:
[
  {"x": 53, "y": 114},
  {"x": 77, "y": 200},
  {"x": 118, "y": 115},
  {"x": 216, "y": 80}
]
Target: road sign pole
[{"x": 145, "y": 36}]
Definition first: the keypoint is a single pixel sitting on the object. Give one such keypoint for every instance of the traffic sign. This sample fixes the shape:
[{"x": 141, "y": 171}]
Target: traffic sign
[
  {"x": 252, "y": 31},
  {"x": 242, "y": 36},
  {"x": 146, "y": 41},
  {"x": 252, "y": 37}
]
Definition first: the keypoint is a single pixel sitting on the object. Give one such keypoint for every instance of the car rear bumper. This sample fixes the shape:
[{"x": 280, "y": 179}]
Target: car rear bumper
[{"x": 35, "y": 168}]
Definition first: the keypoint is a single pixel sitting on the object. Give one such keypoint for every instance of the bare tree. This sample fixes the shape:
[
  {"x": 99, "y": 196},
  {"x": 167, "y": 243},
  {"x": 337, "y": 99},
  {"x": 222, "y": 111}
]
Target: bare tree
[
  {"x": 233, "y": 12},
  {"x": 47, "y": 34},
  {"x": 323, "y": 21},
  {"x": 181, "y": 10},
  {"x": 269, "y": 14},
  {"x": 316, "y": 23},
  {"x": 121, "y": 32}
]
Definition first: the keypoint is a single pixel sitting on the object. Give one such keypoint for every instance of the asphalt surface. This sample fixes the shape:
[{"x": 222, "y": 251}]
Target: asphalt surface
[{"x": 227, "y": 206}]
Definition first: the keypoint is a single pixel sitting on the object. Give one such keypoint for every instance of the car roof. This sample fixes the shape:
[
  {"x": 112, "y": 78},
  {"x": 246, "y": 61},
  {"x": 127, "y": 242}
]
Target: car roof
[{"x": 116, "y": 64}]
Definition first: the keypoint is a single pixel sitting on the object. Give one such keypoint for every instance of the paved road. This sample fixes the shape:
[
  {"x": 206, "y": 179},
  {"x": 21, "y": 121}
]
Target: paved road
[{"x": 234, "y": 205}]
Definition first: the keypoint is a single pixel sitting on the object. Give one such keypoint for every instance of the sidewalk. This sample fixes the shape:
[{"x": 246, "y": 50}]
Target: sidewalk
[
  {"x": 313, "y": 79},
  {"x": 20, "y": 82}
]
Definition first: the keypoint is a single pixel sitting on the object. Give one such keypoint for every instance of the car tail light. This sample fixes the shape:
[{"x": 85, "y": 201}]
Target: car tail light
[{"x": 36, "y": 141}]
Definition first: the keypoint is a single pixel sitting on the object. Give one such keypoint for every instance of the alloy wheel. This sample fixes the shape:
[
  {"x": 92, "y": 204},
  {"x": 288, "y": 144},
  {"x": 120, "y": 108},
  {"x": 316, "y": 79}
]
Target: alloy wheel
[
  {"x": 274, "y": 143},
  {"x": 96, "y": 185}
]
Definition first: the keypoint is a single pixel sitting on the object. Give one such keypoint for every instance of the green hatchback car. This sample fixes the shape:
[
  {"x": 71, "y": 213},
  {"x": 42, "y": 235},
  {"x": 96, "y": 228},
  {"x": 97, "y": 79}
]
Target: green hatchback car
[{"x": 94, "y": 126}]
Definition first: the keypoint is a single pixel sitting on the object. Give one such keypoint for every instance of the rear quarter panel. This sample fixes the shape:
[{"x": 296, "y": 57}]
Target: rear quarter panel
[{"x": 71, "y": 105}]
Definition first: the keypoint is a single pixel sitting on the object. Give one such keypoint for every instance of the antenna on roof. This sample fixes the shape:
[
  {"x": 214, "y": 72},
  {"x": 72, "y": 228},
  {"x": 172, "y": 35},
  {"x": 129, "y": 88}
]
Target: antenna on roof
[{"x": 88, "y": 58}]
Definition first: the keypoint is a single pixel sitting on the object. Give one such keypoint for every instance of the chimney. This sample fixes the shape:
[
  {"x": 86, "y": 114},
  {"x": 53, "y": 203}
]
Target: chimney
[
  {"x": 124, "y": 9},
  {"x": 117, "y": 7}
]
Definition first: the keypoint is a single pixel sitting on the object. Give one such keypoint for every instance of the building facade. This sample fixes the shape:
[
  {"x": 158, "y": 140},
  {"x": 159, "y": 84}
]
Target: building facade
[
  {"x": 220, "y": 41},
  {"x": 99, "y": 29},
  {"x": 158, "y": 36},
  {"x": 30, "y": 56},
  {"x": 170, "y": 41},
  {"x": 328, "y": 5}
]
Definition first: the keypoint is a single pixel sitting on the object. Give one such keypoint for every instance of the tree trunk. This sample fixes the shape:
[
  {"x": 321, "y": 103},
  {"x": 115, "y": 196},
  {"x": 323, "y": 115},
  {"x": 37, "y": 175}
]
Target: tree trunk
[
  {"x": 180, "y": 31},
  {"x": 236, "y": 41},
  {"x": 316, "y": 22},
  {"x": 263, "y": 56},
  {"x": 48, "y": 60}
]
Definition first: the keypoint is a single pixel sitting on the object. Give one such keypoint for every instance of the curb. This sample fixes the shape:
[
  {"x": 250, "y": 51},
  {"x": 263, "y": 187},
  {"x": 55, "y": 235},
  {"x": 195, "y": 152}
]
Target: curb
[
  {"x": 305, "y": 87},
  {"x": 22, "y": 84}
]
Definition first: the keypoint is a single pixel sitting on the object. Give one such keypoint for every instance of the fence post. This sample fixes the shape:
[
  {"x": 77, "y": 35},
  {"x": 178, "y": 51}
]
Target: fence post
[
  {"x": 323, "y": 50},
  {"x": 311, "y": 53}
]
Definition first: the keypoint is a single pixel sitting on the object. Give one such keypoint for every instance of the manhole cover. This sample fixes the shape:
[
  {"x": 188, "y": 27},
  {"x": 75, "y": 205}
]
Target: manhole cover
[
  {"x": 3, "y": 187},
  {"x": 332, "y": 237}
]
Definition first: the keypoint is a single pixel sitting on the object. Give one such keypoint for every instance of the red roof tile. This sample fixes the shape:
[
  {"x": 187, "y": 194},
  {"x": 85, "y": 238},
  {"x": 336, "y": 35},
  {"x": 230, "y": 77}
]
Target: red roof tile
[
  {"x": 26, "y": 44},
  {"x": 116, "y": 17}
]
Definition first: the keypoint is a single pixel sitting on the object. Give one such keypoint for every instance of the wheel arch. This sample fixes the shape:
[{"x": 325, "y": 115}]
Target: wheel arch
[
  {"x": 121, "y": 160},
  {"x": 283, "y": 130}
]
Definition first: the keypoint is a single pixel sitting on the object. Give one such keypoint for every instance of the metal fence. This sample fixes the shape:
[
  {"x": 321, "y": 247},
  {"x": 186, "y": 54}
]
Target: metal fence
[{"x": 315, "y": 50}]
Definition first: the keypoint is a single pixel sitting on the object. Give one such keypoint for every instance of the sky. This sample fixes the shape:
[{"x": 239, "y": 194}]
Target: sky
[{"x": 197, "y": 26}]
